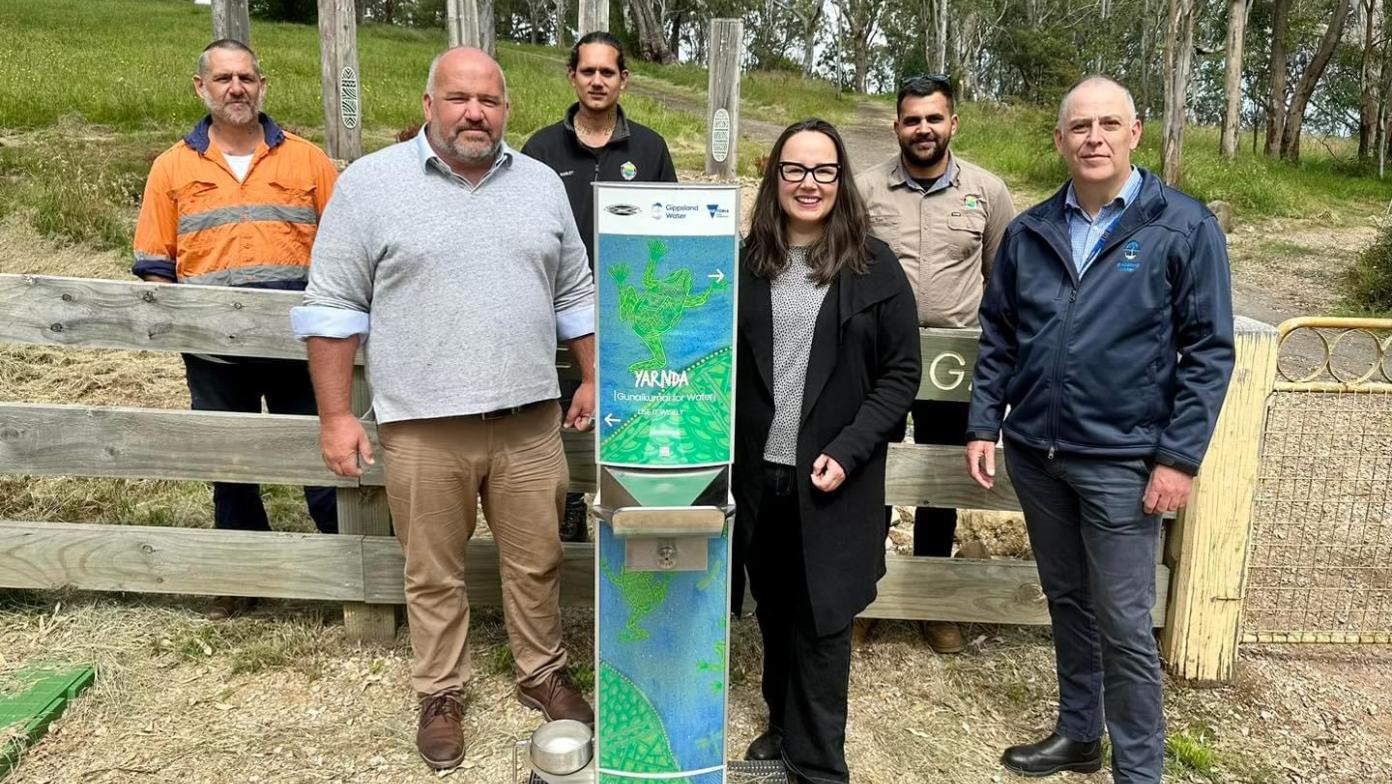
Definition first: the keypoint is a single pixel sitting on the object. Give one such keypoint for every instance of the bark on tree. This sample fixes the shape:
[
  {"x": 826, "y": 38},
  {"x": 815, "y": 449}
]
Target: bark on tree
[
  {"x": 652, "y": 45},
  {"x": 1179, "y": 61},
  {"x": 940, "y": 58},
  {"x": 1232, "y": 76},
  {"x": 1295, "y": 116},
  {"x": 1368, "y": 102},
  {"x": 562, "y": 23},
  {"x": 488, "y": 28},
  {"x": 862, "y": 22},
  {"x": 1276, "y": 95}
]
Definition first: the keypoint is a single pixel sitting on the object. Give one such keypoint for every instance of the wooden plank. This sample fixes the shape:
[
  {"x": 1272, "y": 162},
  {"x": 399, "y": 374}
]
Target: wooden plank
[
  {"x": 144, "y": 443},
  {"x": 959, "y": 589},
  {"x": 927, "y": 475},
  {"x": 723, "y": 97},
  {"x": 593, "y": 15},
  {"x": 231, "y": 19},
  {"x": 364, "y": 511},
  {"x": 340, "y": 80},
  {"x": 180, "y": 560},
  {"x": 94, "y": 313},
  {"x": 948, "y": 358},
  {"x": 370, "y": 568},
  {"x": 1204, "y": 625},
  {"x": 39, "y": 439}
]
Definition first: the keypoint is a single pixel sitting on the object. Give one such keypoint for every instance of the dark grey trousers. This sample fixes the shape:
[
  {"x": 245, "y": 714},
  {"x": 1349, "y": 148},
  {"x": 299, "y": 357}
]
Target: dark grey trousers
[{"x": 1096, "y": 552}]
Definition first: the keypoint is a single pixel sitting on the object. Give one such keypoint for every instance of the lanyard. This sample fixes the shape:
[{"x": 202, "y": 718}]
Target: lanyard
[{"x": 1101, "y": 241}]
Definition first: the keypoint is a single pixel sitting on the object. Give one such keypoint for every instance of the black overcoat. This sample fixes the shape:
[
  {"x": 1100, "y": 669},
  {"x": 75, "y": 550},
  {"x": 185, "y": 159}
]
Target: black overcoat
[{"x": 862, "y": 377}]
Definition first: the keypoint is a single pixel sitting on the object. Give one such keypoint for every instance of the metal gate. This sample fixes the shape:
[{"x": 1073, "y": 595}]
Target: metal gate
[{"x": 1320, "y": 562}]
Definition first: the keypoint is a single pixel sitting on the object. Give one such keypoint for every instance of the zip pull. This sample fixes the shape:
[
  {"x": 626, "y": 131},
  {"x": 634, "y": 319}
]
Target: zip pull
[
  {"x": 1051, "y": 453},
  {"x": 1074, "y": 296}
]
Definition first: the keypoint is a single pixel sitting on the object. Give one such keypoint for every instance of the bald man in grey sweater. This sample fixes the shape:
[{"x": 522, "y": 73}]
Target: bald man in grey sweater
[{"x": 457, "y": 261}]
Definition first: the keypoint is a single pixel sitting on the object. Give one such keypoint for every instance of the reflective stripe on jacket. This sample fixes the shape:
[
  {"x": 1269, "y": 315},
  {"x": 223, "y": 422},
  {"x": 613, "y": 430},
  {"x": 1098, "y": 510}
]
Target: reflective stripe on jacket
[{"x": 199, "y": 225}]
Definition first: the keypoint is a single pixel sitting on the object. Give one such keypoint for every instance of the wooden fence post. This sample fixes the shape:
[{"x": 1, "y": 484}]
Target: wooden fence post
[
  {"x": 462, "y": 23},
  {"x": 594, "y": 15},
  {"x": 1208, "y": 544},
  {"x": 363, "y": 510},
  {"x": 340, "y": 79},
  {"x": 231, "y": 20},
  {"x": 723, "y": 94}
]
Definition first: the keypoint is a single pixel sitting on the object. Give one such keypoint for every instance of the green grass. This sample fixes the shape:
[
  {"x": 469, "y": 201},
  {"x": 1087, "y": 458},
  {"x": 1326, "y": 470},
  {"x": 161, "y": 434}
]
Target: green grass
[
  {"x": 1372, "y": 276},
  {"x": 1191, "y": 752}
]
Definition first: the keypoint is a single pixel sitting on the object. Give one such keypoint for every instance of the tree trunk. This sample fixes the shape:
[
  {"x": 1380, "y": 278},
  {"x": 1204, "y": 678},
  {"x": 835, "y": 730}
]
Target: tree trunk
[
  {"x": 1372, "y": 76},
  {"x": 674, "y": 43},
  {"x": 1179, "y": 61},
  {"x": 862, "y": 17},
  {"x": 1276, "y": 99},
  {"x": 652, "y": 46},
  {"x": 940, "y": 61},
  {"x": 488, "y": 27},
  {"x": 810, "y": 24},
  {"x": 1295, "y": 118},
  {"x": 1232, "y": 76},
  {"x": 1143, "y": 110},
  {"x": 562, "y": 24}
]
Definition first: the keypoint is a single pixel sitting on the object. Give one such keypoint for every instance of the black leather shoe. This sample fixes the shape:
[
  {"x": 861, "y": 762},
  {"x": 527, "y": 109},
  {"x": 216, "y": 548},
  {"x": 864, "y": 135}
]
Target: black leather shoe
[
  {"x": 1054, "y": 754},
  {"x": 768, "y": 746}
]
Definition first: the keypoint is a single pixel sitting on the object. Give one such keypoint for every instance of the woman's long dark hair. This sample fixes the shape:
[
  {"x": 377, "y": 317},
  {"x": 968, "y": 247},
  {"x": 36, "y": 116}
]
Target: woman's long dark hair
[{"x": 842, "y": 245}]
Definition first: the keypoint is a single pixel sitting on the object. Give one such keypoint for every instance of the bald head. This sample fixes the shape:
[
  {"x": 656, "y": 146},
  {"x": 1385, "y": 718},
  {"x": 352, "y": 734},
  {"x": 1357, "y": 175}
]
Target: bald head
[
  {"x": 1097, "y": 88},
  {"x": 465, "y": 59},
  {"x": 466, "y": 109}
]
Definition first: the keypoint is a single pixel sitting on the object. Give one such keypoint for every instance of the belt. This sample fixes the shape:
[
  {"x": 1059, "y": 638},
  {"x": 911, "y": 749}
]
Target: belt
[{"x": 506, "y": 412}]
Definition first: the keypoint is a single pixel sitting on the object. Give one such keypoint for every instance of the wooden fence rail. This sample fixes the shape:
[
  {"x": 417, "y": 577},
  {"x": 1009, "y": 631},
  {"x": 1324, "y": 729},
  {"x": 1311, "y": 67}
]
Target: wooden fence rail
[{"x": 362, "y": 566}]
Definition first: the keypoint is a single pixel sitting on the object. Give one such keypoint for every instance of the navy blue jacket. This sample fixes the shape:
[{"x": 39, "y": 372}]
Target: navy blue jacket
[{"x": 1131, "y": 360}]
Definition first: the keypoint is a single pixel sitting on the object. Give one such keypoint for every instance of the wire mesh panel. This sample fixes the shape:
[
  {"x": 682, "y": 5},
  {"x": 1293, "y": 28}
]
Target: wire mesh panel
[{"x": 1320, "y": 566}]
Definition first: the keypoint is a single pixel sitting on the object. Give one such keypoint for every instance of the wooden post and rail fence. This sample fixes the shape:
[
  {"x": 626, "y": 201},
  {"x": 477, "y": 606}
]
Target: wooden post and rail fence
[{"x": 1199, "y": 578}]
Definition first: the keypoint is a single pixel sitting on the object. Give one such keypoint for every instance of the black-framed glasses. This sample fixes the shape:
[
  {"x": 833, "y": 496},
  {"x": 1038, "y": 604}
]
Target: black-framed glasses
[{"x": 825, "y": 173}]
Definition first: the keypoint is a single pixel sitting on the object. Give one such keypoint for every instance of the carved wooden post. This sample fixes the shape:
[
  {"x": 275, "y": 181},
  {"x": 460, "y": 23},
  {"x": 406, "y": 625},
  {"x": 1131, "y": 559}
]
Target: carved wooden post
[{"x": 722, "y": 117}]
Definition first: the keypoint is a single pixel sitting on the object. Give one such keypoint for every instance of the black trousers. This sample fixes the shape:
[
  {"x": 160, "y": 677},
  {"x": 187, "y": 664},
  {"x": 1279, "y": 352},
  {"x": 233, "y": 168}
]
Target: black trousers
[
  {"x": 806, "y": 676},
  {"x": 239, "y": 385},
  {"x": 942, "y": 422}
]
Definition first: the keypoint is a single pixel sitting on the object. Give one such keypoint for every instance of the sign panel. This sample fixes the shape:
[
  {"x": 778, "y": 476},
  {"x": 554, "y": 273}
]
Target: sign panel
[{"x": 666, "y": 259}]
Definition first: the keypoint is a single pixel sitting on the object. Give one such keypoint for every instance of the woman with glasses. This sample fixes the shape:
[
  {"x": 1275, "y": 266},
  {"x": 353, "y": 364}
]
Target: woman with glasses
[{"x": 828, "y": 366}]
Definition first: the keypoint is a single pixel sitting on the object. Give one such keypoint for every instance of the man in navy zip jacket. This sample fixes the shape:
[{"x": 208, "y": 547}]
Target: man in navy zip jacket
[{"x": 1107, "y": 332}]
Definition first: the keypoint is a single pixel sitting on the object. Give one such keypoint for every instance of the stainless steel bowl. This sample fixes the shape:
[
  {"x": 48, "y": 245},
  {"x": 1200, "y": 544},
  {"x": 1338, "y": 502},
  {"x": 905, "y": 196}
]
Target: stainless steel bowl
[{"x": 561, "y": 747}]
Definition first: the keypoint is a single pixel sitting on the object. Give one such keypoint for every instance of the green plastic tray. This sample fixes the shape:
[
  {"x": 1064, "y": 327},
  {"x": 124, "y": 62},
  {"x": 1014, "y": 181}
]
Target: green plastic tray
[{"x": 26, "y": 710}]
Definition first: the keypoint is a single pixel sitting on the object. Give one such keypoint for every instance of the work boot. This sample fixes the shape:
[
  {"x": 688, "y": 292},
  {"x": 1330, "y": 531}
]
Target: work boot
[
  {"x": 439, "y": 738},
  {"x": 768, "y": 746},
  {"x": 575, "y": 520},
  {"x": 942, "y": 636},
  {"x": 557, "y": 698},
  {"x": 1053, "y": 755}
]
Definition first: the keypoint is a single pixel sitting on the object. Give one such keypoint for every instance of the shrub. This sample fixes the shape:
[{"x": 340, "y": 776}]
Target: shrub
[{"x": 1372, "y": 274}]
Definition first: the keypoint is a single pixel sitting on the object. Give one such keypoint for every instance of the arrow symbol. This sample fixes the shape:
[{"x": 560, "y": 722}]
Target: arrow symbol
[
  {"x": 610, "y": 420},
  {"x": 718, "y": 275}
]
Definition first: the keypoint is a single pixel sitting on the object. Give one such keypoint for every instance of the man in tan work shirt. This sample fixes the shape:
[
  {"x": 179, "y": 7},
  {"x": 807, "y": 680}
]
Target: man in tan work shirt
[{"x": 944, "y": 218}]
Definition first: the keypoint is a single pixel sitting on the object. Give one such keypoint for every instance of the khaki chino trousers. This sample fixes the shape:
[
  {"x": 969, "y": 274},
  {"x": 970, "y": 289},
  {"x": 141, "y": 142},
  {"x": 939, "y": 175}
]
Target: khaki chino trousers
[{"x": 437, "y": 470}]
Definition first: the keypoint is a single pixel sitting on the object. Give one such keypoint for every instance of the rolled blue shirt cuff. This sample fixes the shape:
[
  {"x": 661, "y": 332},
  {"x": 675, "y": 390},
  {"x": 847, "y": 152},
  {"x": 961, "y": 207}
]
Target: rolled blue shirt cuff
[
  {"x": 320, "y": 321},
  {"x": 575, "y": 323}
]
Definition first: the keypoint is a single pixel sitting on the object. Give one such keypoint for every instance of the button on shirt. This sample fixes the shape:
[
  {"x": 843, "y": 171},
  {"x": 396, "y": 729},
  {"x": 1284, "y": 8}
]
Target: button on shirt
[{"x": 1088, "y": 234}]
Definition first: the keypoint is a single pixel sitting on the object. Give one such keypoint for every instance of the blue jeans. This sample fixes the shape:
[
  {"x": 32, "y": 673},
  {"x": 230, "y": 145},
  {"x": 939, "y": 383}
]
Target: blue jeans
[{"x": 1096, "y": 552}]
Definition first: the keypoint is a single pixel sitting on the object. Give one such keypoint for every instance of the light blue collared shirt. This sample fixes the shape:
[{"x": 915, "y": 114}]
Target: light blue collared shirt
[
  {"x": 431, "y": 161},
  {"x": 1087, "y": 234}
]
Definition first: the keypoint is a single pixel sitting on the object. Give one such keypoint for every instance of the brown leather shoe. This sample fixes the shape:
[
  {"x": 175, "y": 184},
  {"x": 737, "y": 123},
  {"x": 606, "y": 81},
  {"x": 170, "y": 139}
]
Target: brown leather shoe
[
  {"x": 439, "y": 738},
  {"x": 942, "y": 636},
  {"x": 556, "y": 698}
]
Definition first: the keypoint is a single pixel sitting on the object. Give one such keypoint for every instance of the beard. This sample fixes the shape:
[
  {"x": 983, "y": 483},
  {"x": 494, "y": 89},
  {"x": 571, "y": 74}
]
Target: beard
[
  {"x": 930, "y": 160},
  {"x": 234, "y": 112},
  {"x": 468, "y": 153}
]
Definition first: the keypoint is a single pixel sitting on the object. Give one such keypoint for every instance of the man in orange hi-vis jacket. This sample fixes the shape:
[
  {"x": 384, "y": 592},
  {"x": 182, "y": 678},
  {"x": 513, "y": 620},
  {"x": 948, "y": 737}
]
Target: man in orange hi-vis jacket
[{"x": 237, "y": 202}]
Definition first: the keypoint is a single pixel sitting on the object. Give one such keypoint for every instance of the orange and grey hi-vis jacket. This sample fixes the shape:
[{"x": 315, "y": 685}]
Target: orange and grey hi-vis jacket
[{"x": 199, "y": 225}]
